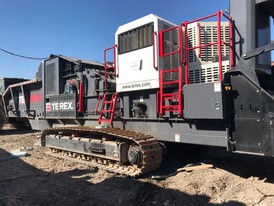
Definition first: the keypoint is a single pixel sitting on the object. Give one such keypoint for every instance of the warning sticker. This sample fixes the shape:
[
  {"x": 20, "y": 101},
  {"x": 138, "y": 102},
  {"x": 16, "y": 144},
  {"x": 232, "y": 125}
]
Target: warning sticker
[
  {"x": 217, "y": 87},
  {"x": 177, "y": 137}
]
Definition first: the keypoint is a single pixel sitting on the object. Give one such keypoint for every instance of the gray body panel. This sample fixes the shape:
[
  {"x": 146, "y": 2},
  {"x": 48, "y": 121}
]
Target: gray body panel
[
  {"x": 181, "y": 132},
  {"x": 202, "y": 132},
  {"x": 203, "y": 101}
]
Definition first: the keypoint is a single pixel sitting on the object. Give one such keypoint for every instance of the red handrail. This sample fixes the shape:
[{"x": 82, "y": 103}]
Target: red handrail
[
  {"x": 199, "y": 39},
  {"x": 162, "y": 96},
  {"x": 114, "y": 59},
  {"x": 162, "y": 52},
  {"x": 81, "y": 97},
  {"x": 231, "y": 48},
  {"x": 219, "y": 43},
  {"x": 203, "y": 18},
  {"x": 186, "y": 53},
  {"x": 106, "y": 66}
]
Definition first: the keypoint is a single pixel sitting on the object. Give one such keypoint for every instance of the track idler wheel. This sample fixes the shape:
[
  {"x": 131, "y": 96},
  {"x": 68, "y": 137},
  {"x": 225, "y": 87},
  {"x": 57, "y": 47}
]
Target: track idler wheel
[{"x": 135, "y": 155}]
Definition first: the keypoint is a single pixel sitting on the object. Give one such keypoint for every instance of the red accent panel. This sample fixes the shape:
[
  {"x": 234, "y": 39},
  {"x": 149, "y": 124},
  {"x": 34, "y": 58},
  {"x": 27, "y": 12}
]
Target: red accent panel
[{"x": 36, "y": 98}]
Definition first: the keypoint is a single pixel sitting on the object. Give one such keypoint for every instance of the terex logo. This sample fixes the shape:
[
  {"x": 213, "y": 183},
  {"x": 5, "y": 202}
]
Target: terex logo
[{"x": 59, "y": 106}]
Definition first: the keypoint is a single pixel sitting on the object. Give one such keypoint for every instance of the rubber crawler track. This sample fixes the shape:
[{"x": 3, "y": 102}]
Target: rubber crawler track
[{"x": 150, "y": 147}]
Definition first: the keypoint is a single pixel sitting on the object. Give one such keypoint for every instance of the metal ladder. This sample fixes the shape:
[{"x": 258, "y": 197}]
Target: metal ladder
[
  {"x": 171, "y": 90},
  {"x": 171, "y": 101},
  {"x": 107, "y": 110},
  {"x": 107, "y": 102}
]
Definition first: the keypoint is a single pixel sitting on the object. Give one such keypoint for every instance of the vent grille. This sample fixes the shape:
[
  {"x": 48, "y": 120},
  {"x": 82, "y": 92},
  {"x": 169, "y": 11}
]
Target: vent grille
[
  {"x": 206, "y": 72},
  {"x": 208, "y": 34},
  {"x": 50, "y": 77},
  {"x": 203, "y": 62}
]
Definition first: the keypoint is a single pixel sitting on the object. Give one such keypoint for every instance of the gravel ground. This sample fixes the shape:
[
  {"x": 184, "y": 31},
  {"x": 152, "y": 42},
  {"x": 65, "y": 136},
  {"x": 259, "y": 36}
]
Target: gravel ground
[{"x": 41, "y": 179}]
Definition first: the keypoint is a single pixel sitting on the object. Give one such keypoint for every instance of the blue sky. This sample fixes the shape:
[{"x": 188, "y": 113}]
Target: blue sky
[{"x": 78, "y": 28}]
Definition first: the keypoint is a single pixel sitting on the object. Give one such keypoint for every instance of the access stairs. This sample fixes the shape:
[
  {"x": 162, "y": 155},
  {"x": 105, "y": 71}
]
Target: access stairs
[
  {"x": 106, "y": 107},
  {"x": 171, "y": 79},
  {"x": 171, "y": 101}
]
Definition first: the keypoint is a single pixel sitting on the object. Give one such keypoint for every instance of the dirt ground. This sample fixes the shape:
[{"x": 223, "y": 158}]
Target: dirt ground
[{"x": 41, "y": 179}]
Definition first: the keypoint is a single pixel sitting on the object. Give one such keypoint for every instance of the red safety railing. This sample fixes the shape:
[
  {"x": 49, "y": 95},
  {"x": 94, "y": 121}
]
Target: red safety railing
[
  {"x": 161, "y": 40},
  {"x": 177, "y": 96},
  {"x": 81, "y": 97},
  {"x": 166, "y": 100},
  {"x": 220, "y": 42},
  {"x": 199, "y": 39},
  {"x": 110, "y": 68},
  {"x": 107, "y": 111}
]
